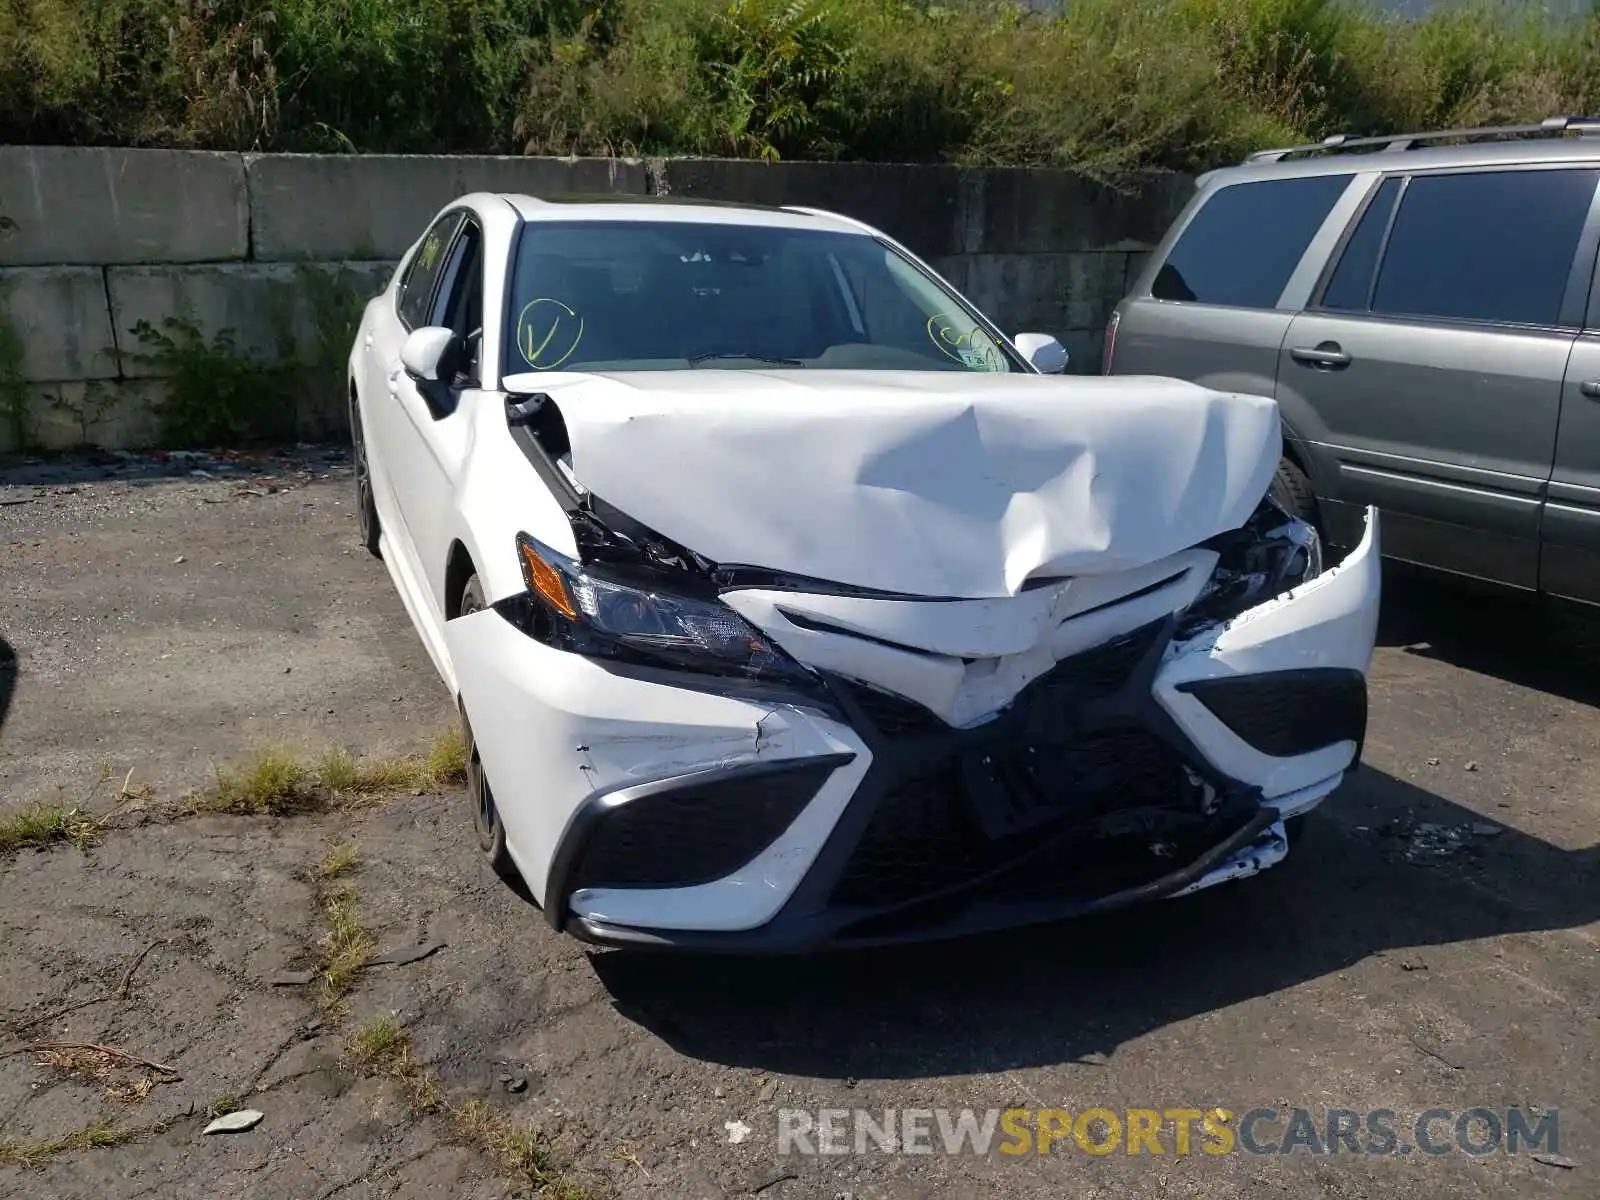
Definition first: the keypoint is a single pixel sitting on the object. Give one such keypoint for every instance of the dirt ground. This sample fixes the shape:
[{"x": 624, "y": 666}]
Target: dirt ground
[{"x": 1434, "y": 942}]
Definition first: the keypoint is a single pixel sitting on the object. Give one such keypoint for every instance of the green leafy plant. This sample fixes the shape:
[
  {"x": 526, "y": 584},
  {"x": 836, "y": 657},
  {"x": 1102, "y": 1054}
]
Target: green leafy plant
[
  {"x": 214, "y": 393},
  {"x": 1113, "y": 87},
  {"x": 779, "y": 65}
]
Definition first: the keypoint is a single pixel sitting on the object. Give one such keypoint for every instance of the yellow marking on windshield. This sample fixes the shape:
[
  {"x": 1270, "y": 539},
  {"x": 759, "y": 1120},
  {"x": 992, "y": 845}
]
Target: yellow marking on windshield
[
  {"x": 964, "y": 348},
  {"x": 550, "y": 351}
]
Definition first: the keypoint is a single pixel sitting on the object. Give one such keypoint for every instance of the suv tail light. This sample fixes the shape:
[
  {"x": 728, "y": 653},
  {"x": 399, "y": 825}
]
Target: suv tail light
[{"x": 1111, "y": 343}]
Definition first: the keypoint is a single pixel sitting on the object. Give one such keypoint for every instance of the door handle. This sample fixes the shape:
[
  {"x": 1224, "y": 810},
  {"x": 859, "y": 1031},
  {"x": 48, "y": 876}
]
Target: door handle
[
  {"x": 1590, "y": 388},
  {"x": 367, "y": 341},
  {"x": 1327, "y": 355}
]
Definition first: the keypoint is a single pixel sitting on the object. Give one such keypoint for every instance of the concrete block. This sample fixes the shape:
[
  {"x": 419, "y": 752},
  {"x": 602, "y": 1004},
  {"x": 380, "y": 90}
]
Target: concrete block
[
  {"x": 270, "y": 310},
  {"x": 121, "y": 206},
  {"x": 332, "y": 206},
  {"x": 953, "y": 270},
  {"x": 60, "y": 315},
  {"x": 105, "y": 414},
  {"x": 916, "y": 204},
  {"x": 1046, "y": 293},
  {"x": 1034, "y": 211},
  {"x": 1137, "y": 261},
  {"x": 1085, "y": 350}
]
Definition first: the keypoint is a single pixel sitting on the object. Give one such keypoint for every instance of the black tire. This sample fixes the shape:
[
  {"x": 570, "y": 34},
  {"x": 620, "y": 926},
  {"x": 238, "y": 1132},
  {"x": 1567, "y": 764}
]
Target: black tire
[
  {"x": 366, "y": 507},
  {"x": 486, "y": 824},
  {"x": 1292, "y": 489}
]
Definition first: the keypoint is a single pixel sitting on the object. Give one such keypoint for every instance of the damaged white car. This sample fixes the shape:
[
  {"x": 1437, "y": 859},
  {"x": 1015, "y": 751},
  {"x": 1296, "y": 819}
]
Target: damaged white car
[{"x": 789, "y": 603}]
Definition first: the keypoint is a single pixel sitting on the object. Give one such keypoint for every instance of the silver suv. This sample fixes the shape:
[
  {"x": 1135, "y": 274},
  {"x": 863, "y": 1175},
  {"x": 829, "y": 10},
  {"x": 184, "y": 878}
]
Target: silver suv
[{"x": 1426, "y": 310}]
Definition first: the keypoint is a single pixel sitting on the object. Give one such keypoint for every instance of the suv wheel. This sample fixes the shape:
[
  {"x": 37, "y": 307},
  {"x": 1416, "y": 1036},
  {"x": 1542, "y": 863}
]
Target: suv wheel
[{"x": 1292, "y": 490}]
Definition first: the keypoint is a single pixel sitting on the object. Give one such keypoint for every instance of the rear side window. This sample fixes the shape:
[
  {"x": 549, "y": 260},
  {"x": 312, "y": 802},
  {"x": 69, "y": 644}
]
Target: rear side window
[
  {"x": 1351, "y": 284},
  {"x": 1488, "y": 246},
  {"x": 423, "y": 272},
  {"x": 1245, "y": 242}
]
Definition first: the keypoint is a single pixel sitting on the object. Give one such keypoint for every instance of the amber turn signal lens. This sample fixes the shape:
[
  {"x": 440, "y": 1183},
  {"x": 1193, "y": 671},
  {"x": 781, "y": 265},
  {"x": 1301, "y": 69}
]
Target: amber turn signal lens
[{"x": 544, "y": 579}]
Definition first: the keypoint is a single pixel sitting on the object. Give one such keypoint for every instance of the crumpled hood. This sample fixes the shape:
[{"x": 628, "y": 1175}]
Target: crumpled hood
[{"x": 931, "y": 484}]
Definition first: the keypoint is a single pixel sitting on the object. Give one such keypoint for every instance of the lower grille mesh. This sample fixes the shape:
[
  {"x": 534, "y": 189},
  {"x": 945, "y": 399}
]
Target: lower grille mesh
[{"x": 931, "y": 831}]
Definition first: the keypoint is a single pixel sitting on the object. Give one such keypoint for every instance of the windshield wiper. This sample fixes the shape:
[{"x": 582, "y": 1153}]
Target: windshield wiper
[{"x": 697, "y": 359}]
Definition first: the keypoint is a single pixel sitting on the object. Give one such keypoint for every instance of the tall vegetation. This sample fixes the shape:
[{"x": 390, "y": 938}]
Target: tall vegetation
[{"x": 1113, "y": 87}]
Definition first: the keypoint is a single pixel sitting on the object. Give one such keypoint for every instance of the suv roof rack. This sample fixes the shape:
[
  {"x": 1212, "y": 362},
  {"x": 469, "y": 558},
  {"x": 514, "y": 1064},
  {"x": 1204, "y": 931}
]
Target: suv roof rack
[{"x": 1341, "y": 143}]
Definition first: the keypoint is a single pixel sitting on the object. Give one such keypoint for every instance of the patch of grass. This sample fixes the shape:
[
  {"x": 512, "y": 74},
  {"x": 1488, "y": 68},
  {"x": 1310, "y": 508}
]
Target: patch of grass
[
  {"x": 97, "y": 1135},
  {"x": 273, "y": 781},
  {"x": 379, "y": 1044},
  {"x": 278, "y": 782},
  {"x": 223, "y": 1105},
  {"x": 447, "y": 758},
  {"x": 345, "y": 948},
  {"x": 42, "y": 825},
  {"x": 382, "y": 1047},
  {"x": 339, "y": 861}
]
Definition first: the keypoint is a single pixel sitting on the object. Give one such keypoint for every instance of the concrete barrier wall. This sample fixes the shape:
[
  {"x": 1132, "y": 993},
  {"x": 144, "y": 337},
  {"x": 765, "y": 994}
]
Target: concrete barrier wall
[{"x": 95, "y": 241}]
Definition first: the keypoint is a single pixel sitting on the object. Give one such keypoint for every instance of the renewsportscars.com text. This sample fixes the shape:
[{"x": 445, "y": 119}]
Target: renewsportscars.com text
[{"x": 1167, "y": 1131}]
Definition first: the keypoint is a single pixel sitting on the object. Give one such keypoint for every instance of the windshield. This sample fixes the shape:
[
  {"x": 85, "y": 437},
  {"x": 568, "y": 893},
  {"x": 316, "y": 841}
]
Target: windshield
[{"x": 676, "y": 295}]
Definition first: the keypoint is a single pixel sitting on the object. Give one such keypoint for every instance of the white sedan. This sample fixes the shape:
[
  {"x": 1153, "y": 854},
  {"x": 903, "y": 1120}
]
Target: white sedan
[{"x": 787, "y": 602}]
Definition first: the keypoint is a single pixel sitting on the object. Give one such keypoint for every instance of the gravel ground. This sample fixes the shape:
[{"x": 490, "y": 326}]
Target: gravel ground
[{"x": 1434, "y": 942}]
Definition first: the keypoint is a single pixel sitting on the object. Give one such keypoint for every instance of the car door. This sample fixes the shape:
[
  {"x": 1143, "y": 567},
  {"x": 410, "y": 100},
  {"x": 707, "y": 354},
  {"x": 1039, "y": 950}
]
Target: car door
[
  {"x": 386, "y": 428},
  {"x": 433, "y": 427},
  {"x": 1569, "y": 558},
  {"x": 1433, "y": 354}
]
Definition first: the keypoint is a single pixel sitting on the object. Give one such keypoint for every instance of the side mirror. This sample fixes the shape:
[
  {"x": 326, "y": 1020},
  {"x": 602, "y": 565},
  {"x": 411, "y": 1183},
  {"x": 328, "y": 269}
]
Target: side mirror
[
  {"x": 1046, "y": 354},
  {"x": 424, "y": 353}
]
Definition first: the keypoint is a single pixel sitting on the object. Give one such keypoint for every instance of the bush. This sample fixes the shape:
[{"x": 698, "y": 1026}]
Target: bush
[{"x": 1112, "y": 87}]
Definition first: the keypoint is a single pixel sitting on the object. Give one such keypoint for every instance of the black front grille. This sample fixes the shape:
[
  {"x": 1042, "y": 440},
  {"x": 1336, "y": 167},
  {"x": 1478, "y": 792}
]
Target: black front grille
[
  {"x": 697, "y": 833},
  {"x": 1105, "y": 667},
  {"x": 988, "y": 805},
  {"x": 965, "y": 806},
  {"x": 1096, "y": 672},
  {"x": 1284, "y": 713},
  {"x": 896, "y": 717}
]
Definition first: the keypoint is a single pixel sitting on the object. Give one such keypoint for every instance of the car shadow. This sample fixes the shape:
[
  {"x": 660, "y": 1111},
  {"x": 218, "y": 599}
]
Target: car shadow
[
  {"x": 1072, "y": 991},
  {"x": 94, "y": 466},
  {"x": 1538, "y": 643},
  {"x": 8, "y": 679}
]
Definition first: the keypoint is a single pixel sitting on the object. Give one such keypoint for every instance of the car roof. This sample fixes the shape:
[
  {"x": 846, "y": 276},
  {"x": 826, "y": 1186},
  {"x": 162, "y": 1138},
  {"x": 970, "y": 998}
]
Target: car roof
[
  {"x": 687, "y": 209},
  {"x": 1510, "y": 152}
]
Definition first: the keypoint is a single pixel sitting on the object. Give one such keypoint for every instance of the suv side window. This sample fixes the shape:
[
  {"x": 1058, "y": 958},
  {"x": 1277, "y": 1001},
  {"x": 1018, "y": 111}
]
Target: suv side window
[
  {"x": 416, "y": 290},
  {"x": 1243, "y": 245},
  {"x": 1350, "y": 286},
  {"x": 1485, "y": 246}
]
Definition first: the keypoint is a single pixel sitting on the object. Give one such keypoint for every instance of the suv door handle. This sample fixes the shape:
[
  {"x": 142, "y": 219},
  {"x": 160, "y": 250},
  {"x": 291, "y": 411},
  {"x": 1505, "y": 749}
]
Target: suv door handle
[
  {"x": 1329, "y": 355},
  {"x": 1590, "y": 388}
]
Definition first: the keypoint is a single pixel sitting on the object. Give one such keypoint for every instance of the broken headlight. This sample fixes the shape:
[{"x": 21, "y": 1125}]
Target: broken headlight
[
  {"x": 1269, "y": 554},
  {"x": 572, "y": 607}
]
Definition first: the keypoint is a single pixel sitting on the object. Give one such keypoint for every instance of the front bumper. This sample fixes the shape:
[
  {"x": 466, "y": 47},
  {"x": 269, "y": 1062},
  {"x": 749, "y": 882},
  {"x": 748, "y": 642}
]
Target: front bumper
[{"x": 644, "y": 812}]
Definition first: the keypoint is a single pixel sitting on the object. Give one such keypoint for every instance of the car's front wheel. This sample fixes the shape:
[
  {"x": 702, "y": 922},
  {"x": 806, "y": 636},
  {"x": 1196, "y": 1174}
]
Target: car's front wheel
[
  {"x": 486, "y": 821},
  {"x": 366, "y": 506}
]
